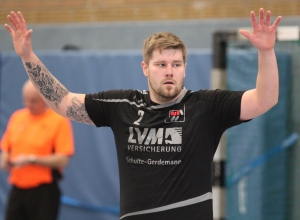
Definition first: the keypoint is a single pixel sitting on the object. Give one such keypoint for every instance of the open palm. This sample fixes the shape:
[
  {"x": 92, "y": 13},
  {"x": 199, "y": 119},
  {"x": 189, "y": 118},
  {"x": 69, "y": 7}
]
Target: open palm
[
  {"x": 21, "y": 37},
  {"x": 263, "y": 36}
]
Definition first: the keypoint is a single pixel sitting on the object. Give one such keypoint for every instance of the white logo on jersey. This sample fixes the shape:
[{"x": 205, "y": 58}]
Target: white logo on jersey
[{"x": 155, "y": 136}]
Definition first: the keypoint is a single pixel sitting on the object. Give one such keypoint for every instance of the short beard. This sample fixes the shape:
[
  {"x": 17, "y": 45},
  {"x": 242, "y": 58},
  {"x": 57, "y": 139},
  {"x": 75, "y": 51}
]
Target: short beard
[{"x": 165, "y": 96}]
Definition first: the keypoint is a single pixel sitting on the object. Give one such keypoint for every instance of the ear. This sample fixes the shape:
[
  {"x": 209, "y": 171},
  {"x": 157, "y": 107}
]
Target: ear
[
  {"x": 145, "y": 68},
  {"x": 184, "y": 69}
]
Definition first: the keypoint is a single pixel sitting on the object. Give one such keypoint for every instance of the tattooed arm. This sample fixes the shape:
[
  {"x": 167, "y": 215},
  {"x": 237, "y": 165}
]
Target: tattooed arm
[
  {"x": 65, "y": 103},
  {"x": 62, "y": 101}
]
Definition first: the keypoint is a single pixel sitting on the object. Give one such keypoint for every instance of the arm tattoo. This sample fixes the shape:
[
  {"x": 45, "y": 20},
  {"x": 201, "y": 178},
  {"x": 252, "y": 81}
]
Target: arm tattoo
[
  {"x": 77, "y": 112},
  {"x": 49, "y": 87}
]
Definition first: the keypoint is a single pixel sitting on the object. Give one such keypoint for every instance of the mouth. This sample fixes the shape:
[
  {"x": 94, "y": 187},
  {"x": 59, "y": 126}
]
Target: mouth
[{"x": 168, "y": 83}]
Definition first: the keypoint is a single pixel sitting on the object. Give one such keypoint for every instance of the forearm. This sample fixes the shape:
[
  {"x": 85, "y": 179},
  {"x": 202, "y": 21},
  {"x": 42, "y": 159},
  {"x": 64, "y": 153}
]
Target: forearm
[
  {"x": 267, "y": 85},
  {"x": 53, "y": 160},
  {"x": 4, "y": 161},
  {"x": 51, "y": 90},
  {"x": 264, "y": 96},
  {"x": 57, "y": 97}
]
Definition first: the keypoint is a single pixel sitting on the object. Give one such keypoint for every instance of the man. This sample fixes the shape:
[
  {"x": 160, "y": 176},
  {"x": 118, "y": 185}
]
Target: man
[
  {"x": 36, "y": 145},
  {"x": 165, "y": 137}
]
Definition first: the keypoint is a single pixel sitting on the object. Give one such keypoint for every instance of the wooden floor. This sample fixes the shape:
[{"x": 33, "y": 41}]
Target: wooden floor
[{"x": 64, "y": 11}]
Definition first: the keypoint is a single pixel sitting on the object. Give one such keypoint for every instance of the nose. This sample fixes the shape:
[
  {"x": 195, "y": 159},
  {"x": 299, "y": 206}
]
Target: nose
[{"x": 169, "y": 70}]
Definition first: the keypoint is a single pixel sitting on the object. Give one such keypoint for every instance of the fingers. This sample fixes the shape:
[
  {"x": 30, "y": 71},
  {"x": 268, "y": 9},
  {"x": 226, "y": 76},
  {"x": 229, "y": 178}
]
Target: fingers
[
  {"x": 264, "y": 19},
  {"x": 276, "y": 22},
  {"x": 9, "y": 29},
  {"x": 268, "y": 18},
  {"x": 12, "y": 22},
  {"x": 15, "y": 20},
  {"x": 22, "y": 22},
  {"x": 253, "y": 21},
  {"x": 261, "y": 16}
]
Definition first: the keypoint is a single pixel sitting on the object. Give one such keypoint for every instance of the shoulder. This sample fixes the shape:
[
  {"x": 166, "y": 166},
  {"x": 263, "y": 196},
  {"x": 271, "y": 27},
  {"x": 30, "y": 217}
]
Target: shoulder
[
  {"x": 117, "y": 94},
  {"x": 217, "y": 94},
  {"x": 19, "y": 113},
  {"x": 55, "y": 117}
]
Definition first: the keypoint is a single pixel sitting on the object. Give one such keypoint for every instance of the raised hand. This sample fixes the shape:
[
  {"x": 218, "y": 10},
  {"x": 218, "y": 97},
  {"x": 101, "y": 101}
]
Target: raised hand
[
  {"x": 263, "y": 36},
  {"x": 21, "y": 37}
]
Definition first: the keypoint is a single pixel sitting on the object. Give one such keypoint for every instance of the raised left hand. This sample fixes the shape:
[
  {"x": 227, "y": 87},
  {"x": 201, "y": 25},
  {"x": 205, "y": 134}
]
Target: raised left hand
[{"x": 263, "y": 36}]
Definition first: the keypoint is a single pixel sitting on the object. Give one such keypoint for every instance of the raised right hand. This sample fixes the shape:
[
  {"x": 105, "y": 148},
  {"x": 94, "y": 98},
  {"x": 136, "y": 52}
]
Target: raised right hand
[{"x": 21, "y": 37}]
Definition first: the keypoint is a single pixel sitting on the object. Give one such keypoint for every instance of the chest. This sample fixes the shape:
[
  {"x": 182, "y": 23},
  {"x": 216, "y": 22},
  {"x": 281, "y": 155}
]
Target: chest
[
  {"x": 36, "y": 134},
  {"x": 162, "y": 126}
]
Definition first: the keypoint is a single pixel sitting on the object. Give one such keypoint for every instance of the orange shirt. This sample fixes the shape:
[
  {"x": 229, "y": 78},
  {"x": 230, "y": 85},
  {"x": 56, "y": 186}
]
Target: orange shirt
[{"x": 40, "y": 135}]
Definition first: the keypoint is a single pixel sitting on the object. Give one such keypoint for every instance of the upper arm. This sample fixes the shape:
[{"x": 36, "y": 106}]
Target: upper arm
[
  {"x": 63, "y": 139},
  {"x": 63, "y": 144},
  {"x": 61, "y": 160},
  {"x": 74, "y": 108},
  {"x": 251, "y": 107}
]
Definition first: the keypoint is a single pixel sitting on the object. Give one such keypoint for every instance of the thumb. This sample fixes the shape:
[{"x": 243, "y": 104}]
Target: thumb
[
  {"x": 245, "y": 33},
  {"x": 28, "y": 34}
]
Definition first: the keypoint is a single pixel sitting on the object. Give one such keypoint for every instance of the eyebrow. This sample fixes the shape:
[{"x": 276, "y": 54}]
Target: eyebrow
[{"x": 174, "y": 61}]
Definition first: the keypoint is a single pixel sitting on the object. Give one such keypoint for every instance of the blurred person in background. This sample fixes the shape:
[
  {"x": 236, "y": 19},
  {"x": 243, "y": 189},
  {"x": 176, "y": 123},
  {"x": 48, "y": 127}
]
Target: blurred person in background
[
  {"x": 165, "y": 137},
  {"x": 36, "y": 145}
]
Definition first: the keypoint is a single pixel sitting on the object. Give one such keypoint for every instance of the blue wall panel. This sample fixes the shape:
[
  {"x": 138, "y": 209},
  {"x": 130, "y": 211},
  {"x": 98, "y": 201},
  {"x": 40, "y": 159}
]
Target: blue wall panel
[{"x": 262, "y": 194}]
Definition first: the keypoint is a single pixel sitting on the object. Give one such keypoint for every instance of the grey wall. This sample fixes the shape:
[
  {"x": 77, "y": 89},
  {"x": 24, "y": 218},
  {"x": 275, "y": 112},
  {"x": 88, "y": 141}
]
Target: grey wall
[{"x": 127, "y": 35}]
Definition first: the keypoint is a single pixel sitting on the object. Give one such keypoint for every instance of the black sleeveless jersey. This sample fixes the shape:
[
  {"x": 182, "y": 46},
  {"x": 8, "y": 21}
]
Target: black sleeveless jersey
[{"x": 165, "y": 152}]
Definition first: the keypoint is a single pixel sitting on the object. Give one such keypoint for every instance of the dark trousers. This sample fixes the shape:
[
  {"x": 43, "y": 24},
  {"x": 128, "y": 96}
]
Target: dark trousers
[{"x": 39, "y": 203}]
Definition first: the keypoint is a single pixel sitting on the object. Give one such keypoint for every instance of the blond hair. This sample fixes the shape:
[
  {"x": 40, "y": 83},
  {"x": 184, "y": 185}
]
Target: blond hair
[{"x": 161, "y": 41}]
